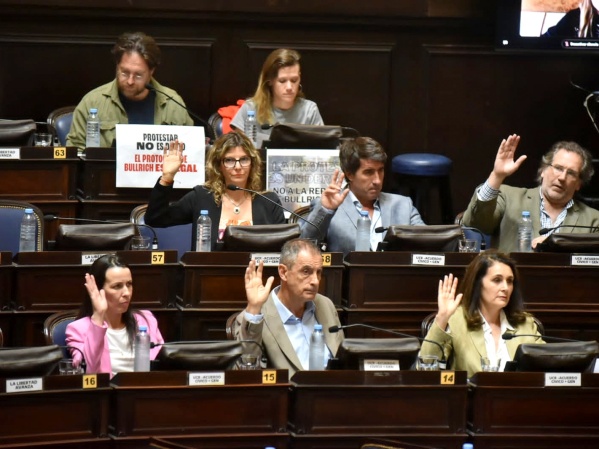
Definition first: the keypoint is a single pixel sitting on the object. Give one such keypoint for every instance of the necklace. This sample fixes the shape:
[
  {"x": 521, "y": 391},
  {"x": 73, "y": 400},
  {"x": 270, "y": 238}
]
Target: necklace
[{"x": 236, "y": 207}]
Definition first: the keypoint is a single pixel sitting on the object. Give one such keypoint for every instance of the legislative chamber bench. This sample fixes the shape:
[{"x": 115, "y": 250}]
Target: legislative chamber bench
[{"x": 397, "y": 290}]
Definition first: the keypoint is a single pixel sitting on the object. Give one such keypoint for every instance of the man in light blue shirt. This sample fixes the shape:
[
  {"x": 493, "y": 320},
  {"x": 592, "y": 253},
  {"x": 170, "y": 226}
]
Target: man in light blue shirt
[{"x": 282, "y": 320}]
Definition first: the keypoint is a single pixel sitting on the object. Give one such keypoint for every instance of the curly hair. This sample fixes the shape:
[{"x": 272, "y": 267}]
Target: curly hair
[
  {"x": 137, "y": 42},
  {"x": 472, "y": 284},
  {"x": 215, "y": 180},
  {"x": 282, "y": 57},
  {"x": 586, "y": 172}
]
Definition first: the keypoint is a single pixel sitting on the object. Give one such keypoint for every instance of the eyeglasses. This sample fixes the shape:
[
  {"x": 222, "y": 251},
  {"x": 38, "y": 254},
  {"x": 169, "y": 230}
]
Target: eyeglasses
[
  {"x": 126, "y": 75},
  {"x": 558, "y": 170},
  {"x": 230, "y": 162}
]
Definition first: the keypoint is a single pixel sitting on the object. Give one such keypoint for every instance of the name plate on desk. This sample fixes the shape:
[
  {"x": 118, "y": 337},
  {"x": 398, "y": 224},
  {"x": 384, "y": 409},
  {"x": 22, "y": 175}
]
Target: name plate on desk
[
  {"x": 269, "y": 259},
  {"x": 585, "y": 260},
  {"x": 10, "y": 153},
  {"x": 24, "y": 385},
  {"x": 206, "y": 378},
  {"x": 563, "y": 379},
  {"x": 428, "y": 259},
  {"x": 381, "y": 365}
]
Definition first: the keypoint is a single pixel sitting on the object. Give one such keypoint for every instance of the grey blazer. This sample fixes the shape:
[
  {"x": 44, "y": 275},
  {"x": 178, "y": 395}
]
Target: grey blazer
[
  {"x": 270, "y": 333},
  {"x": 339, "y": 228}
]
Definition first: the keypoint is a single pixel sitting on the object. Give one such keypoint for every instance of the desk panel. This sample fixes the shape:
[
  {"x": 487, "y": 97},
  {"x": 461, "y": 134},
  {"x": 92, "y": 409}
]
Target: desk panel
[
  {"x": 518, "y": 408},
  {"x": 63, "y": 411},
  {"x": 384, "y": 405},
  {"x": 216, "y": 279},
  {"x": 563, "y": 297},
  {"x": 161, "y": 403},
  {"x": 53, "y": 280}
]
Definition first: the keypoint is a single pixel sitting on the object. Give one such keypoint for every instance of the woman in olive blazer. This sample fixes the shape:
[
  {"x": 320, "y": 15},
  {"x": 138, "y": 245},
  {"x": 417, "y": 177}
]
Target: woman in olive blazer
[{"x": 469, "y": 325}]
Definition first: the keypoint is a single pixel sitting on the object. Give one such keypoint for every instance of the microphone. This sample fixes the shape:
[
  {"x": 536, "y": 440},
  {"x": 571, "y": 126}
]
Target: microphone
[
  {"x": 263, "y": 359},
  {"x": 52, "y": 217},
  {"x": 544, "y": 231},
  {"x": 234, "y": 187},
  {"x": 509, "y": 336},
  {"x": 266, "y": 126},
  {"x": 381, "y": 229},
  {"x": 442, "y": 361},
  {"x": 208, "y": 129},
  {"x": 483, "y": 243}
]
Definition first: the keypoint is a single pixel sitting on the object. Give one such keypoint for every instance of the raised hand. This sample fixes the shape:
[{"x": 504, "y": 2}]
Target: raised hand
[
  {"x": 333, "y": 196},
  {"x": 98, "y": 298},
  {"x": 505, "y": 165},
  {"x": 256, "y": 292},
  {"x": 447, "y": 301},
  {"x": 172, "y": 160}
]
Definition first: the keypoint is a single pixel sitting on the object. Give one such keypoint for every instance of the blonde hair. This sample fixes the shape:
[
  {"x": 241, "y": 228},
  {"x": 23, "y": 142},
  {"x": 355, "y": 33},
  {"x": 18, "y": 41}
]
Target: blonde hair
[
  {"x": 215, "y": 180},
  {"x": 587, "y": 12},
  {"x": 282, "y": 57}
]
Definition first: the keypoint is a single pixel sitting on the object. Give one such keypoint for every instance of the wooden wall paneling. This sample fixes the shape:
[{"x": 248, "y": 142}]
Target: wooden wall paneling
[{"x": 477, "y": 96}]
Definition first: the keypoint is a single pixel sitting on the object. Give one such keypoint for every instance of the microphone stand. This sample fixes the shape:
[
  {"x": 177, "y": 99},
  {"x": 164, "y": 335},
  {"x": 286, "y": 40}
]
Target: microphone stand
[
  {"x": 442, "y": 361},
  {"x": 234, "y": 187},
  {"x": 207, "y": 127}
]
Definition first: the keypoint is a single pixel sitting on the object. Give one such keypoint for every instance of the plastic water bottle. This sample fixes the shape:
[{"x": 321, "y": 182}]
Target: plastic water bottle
[
  {"x": 204, "y": 232},
  {"x": 142, "y": 350},
  {"x": 317, "y": 349},
  {"x": 363, "y": 232},
  {"x": 525, "y": 233},
  {"x": 92, "y": 135},
  {"x": 250, "y": 126},
  {"x": 28, "y": 228}
]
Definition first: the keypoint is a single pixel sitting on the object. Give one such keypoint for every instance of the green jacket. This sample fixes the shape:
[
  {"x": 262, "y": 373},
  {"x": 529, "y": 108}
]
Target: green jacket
[
  {"x": 110, "y": 110},
  {"x": 500, "y": 217},
  {"x": 467, "y": 346}
]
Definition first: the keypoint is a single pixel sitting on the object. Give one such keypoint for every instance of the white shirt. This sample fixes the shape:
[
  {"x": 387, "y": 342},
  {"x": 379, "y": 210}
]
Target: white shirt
[
  {"x": 501, "y": 352},
  {"x": 121, "y": 352}
]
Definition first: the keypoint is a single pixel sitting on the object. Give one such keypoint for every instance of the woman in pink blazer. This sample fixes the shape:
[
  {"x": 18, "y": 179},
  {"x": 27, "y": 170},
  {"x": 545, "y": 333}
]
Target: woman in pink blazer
[{"x": 106, "y": 326}]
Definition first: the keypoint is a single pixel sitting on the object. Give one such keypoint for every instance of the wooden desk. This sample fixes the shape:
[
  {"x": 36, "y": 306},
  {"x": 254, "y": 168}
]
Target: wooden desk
[
  {"x": 63, "y": 412},
  {"x": 213, "y": 289},
  {"x": 516, "y": 410},
  {"x": 161, "y": 404},
  {"x": 386, "y": 290},
  {"x": 411, "y": 406},
  {"x": 41, "y": 178},
  {"x": 49, "y": 281},
  {"x": 215, "y": 279}
]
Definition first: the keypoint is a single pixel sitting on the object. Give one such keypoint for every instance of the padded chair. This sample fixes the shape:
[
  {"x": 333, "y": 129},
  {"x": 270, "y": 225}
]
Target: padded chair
[
  {"x": 59, "y": 123},
  {"x": 55, "y": 327},
  {"x": 392, "y": 444},
  {"x": 473, "y": 233},
  {"x": 418, "y": 174},
  {"x": 303, "y": 211},
  {"x": 17, "y": 133},
  {"x": 230, "y": 326},
  {"x": 11, "y": 214},
  {"x": 174, "y": 237},
  {"x": 216, "y": 121}
]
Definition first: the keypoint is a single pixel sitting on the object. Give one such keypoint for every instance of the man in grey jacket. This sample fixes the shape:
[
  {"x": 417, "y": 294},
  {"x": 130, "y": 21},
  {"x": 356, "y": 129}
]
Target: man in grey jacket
[
  {"x": 282, "y": 320},
  {"x": 496, "y": 208},
  {"x": 337, "y": 211}
]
